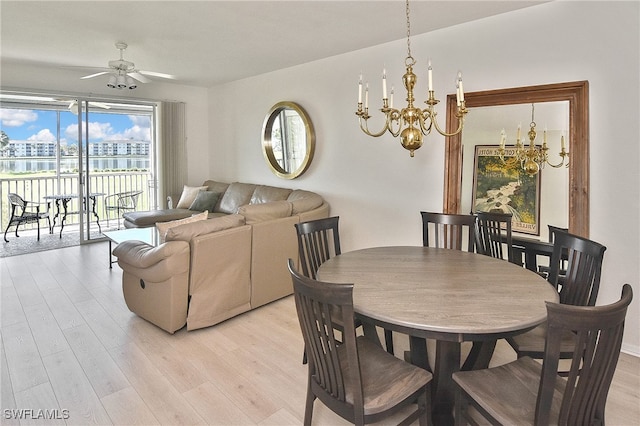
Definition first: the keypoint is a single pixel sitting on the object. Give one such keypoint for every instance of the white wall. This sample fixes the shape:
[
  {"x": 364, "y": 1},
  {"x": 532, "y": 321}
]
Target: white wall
[{"x": 378, "y": 190}]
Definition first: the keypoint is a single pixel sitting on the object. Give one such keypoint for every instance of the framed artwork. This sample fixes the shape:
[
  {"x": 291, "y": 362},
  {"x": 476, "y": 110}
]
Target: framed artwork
[{"x": 502, "y": 186}]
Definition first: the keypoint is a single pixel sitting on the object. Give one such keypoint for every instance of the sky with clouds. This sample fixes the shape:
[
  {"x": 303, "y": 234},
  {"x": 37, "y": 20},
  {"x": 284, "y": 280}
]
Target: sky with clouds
[{"x": 41, "y": 125}]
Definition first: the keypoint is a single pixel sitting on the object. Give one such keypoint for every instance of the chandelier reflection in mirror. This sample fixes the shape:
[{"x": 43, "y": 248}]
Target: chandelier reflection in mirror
[
  {"x": 532, "y": 158},
  {"x": 410, "y": 123}
]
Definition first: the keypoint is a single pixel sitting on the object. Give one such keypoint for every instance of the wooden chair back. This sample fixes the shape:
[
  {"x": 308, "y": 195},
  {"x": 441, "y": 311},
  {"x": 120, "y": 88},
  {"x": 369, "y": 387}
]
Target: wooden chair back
[
  {"x": 448, "y": 231},
  {"x": 318, "y": 241},
  {"x": 599, "y": 332},
  {"x": 337, "y": 370},
  {"x": 494, "y": 235},
  {"x": 318, "y": 304},
  {"x": 581, "y": 282},
  {"x": 553, "y": 230}
]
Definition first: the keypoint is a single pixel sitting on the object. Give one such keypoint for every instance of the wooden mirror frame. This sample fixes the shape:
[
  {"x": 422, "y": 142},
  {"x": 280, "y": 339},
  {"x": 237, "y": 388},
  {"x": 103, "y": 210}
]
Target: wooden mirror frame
[{"x": 577, "y": 93}]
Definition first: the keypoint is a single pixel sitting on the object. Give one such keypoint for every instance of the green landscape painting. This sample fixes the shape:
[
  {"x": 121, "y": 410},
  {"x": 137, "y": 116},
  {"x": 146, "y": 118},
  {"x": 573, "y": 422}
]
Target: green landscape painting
[{"x": 504, "y": 187}]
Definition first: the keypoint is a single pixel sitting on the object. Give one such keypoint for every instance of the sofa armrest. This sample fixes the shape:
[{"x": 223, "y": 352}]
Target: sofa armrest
[
  {"x": 172, "y": 201},
  {"x": 220, "y": 278},
  {"x": 153, "y": 263}
]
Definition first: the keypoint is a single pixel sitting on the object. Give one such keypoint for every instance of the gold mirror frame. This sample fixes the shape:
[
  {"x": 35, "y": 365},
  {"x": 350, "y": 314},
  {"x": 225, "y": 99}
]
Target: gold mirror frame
[
  {"x": 577, "y": 93},
  {"x": 267, "y": 145}
]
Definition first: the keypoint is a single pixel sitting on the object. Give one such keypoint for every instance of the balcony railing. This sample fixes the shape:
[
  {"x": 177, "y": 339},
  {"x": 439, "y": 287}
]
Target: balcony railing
[{"x": 36, "y": 188}]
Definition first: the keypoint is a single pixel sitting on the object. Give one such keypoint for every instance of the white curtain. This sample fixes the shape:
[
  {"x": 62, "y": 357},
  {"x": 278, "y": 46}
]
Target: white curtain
[{"x": 173, "y": 150}]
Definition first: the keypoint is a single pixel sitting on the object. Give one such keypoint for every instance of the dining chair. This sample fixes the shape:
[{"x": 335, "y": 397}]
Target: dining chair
[
  {"x": 448, "y": 231},
  {"x": 318, "y": 241},
  {"x": 579, "y": 286},
  {"x": 493, "y": 235},
  {"x": 544, "y": 269},
  {"x": 121, "y": 202},
  {"x": 356, "y": 379},
  {"x": 525, "y": 392},
  {"x": 23, "y": 211}
]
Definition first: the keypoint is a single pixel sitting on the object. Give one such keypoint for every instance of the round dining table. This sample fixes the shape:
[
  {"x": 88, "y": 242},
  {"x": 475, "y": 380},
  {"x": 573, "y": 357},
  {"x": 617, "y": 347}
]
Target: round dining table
[{"x": 450, "y": 296}]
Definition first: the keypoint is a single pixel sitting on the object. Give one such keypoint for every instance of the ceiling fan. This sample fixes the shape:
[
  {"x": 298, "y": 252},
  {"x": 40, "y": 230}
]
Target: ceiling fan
[
  {"x": 124, "y": 72},
  {"x": 73, "y": 106}
]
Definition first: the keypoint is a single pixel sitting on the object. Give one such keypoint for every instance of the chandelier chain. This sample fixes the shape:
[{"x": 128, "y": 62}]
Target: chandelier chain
[{"x": 408, "y": 32}]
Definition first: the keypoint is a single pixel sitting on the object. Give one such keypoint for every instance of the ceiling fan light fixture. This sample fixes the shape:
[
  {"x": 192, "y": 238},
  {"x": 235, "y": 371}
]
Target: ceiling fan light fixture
[
  {"x": 121, "y": 81},
  {"x": 130, "y": 83},
  {"x": 112, "y": 82}
]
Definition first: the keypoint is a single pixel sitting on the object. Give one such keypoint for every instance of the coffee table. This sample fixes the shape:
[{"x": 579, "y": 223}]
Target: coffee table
[{"x": 147, "y": 235}]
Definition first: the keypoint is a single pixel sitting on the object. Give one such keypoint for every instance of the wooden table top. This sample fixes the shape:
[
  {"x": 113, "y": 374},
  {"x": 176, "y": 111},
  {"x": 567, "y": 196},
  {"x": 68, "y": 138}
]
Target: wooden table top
[{"x": 443, "y": 294}]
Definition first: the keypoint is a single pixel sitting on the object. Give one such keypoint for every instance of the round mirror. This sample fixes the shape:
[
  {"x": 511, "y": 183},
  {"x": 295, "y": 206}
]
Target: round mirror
[{"x": 288, "y": 140}]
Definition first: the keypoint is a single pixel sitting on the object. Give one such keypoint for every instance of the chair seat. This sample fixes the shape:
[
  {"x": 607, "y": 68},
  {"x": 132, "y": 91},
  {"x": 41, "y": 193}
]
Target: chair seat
[
  {"x": 509, "y": 392},
  {"x": 386, "y": 380},
  {"x": 532, "y": 342}
]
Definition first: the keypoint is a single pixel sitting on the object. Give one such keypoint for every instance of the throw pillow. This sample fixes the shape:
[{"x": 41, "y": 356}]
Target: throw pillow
[
  {"x": 163, "y": 227},
  {"x": 205, "y": 200},
  {"x": 189, "y": 194}
]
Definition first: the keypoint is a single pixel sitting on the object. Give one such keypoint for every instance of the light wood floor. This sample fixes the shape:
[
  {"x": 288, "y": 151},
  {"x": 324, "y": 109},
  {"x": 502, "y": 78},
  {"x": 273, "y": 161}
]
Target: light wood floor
[{"x": 70, "y": 345}]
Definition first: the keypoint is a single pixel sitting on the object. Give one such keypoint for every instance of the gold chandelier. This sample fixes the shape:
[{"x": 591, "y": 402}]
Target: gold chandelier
[
  {"x": 532, "y": 158},
  {"x": 410, "y": 123}
]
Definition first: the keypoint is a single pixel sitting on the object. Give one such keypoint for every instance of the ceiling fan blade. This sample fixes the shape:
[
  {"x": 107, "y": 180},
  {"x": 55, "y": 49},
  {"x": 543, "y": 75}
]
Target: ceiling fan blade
[
  {"x": 99, "y": 105},
  {"x": 95, "y": 75},
  {"x": 141, "y": 78},
  {"x": 158, "y": 74}
]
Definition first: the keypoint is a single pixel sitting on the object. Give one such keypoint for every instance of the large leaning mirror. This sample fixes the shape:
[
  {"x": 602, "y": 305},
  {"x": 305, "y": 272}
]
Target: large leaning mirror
[
  {"x": 288, "y": 140},
  {"x": 564, "y": 193}
]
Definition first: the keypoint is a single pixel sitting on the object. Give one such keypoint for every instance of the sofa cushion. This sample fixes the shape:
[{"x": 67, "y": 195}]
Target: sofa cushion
[
  {"x": 163, "y": 227},
  {"x": 144, "y": 219},
  {"x": 304, "y": 201},
  {"x": 237, "y": 194},
  {"x": 254, "y": 213},
  {"x": 215, "y": 186},
  {"x": 205, "y": 200},
  {"x": 189, "y": 194},
  {"x": 266, "y": 194},
  {"x": 188, "y": 231}
]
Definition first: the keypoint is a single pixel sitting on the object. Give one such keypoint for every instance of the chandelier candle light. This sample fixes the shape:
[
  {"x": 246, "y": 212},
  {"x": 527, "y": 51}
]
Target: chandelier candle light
[
  {"x": 410, "y": 123},
  {"x": 532, "y": 158}
]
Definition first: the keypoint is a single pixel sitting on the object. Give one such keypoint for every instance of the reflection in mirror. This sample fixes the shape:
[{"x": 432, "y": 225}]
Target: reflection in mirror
[
  {"x": 288, "y": 140},
  {"x": 484, "y": 127},
  {"x": 572, "y": 97}
]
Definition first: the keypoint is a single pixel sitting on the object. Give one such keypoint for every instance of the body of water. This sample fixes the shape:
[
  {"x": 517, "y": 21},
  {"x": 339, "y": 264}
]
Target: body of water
[{"x": 32, "y": 165}]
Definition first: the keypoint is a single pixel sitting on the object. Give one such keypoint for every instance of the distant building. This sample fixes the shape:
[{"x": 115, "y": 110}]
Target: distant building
[
  {"x": 30, "y": 149},
  {"x": 105, "y": 148},
  {"x": 119, "y": 147}
]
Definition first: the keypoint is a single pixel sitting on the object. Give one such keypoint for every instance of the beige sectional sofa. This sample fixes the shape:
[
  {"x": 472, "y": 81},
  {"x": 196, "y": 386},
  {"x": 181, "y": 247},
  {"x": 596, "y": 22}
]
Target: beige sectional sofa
[{"x": 210, "y": 270}]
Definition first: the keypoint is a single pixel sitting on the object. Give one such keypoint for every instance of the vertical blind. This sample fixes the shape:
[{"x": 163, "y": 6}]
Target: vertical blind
[{"x": 173, "y": 148}]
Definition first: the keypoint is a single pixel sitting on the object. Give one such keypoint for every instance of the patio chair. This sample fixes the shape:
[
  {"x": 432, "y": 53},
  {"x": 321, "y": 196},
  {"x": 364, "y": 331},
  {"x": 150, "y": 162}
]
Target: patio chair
[
  {"x": 23, "y": 211},
  {"x": 121, "y": 202}
]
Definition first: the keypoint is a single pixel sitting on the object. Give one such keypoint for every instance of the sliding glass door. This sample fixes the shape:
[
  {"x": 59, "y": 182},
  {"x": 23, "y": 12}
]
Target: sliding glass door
[
  {"x": 89, "y": 160},
  {"x": 117, "y": 170}
]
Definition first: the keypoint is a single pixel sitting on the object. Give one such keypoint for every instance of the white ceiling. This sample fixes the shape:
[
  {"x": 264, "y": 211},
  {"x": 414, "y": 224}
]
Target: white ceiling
[{"x": 204, "y": 43}]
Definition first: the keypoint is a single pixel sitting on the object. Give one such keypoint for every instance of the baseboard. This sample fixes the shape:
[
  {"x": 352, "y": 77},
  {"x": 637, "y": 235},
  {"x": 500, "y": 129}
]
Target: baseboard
[{"x": 631, "y": 350}]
